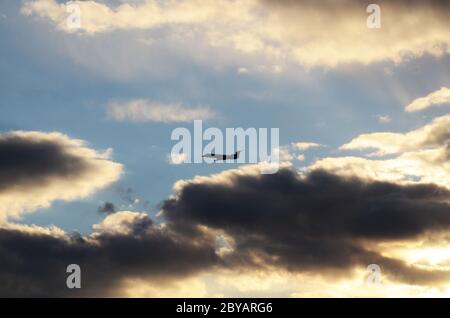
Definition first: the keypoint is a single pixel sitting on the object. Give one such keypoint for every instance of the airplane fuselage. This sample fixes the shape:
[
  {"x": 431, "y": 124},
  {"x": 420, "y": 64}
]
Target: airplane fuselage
[{"x": 222, "y": 157}]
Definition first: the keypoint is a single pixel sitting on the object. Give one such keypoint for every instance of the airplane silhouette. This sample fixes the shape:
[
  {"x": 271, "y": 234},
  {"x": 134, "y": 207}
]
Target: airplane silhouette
[{"x": 222, "y": 157}]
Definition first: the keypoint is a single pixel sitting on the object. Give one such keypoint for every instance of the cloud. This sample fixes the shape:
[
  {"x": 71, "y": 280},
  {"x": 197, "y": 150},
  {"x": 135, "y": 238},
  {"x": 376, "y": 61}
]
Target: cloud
[
  {"x": 176, "y": 158},
  {"x": 100, "y": 17},
  {"x": 107, "y": 207},
  {"x": 434, "y": 134},
  {"x": 147, "y": 111},
  {"x": 308, "y": 33},
  {"x": 438, "y": 98},
  {"x": 418, "y": 156},
  {"x": 305, "y": 145},
  {"x": 275, "y": 283},
  {"x": 423, "y": 166},
  {"x": 124, "y": 246},
  {"x": 384, "y": 119},
  {"x": 243, "y": 70},
  {"x": 38, "y": 168},
  {"x": 288, "y": 153},
  {"x": 123, "y": 222},
  {"x": 283, "y": 154},
  {"x": 315, "y": 223}
]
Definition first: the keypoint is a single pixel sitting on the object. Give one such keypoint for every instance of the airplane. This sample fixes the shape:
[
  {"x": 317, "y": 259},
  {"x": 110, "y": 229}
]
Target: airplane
[{"x": 222, "y": 157}]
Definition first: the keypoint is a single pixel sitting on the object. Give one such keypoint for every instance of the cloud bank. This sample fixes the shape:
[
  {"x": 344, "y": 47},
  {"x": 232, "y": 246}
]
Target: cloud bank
[
  {"x": 316, "y": 223},
  {"x": 125, "y": 244},
  {"x": 308, "y": 33}
]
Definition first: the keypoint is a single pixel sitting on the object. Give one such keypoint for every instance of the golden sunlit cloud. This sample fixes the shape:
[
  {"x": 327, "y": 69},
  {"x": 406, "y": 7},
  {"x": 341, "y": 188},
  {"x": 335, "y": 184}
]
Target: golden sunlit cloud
[
  {"x": 120, "y": 222},
  {"x": 308, "y": 33},
  {"x": 440, "y": 97},
  {"x": 275, "y": 283},
  {"x": 432, "y": 135}
]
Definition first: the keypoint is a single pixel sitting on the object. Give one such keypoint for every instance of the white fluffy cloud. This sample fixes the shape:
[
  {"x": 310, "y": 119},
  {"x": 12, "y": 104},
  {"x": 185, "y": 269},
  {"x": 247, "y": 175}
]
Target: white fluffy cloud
[
  {"x": 420, "y": 155},
  {"x": 97, "y": 17},
  {"x": 176, "y": 158},
  {"x": 438, "y": 98},
  {"x": 434, "y": 134},
  {"x": 120, "y": 222},
  {"x": 147, "y": 111},
  {"x": 422, "y": 166}
]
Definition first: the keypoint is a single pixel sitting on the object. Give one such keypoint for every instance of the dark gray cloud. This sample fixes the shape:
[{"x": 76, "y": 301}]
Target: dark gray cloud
[
  {"x": 37, "y": 168},
  {"x": 33, "y": 162},
  {"x": 34, "y": 265},
  {"x": 107, "y": 207},
  {"x": 320, "y": 223},
  {"x": 322, "y": 204}
]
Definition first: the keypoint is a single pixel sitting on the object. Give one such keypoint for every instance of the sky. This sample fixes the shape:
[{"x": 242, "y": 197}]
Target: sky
[{"x": 86, "y": 176}]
